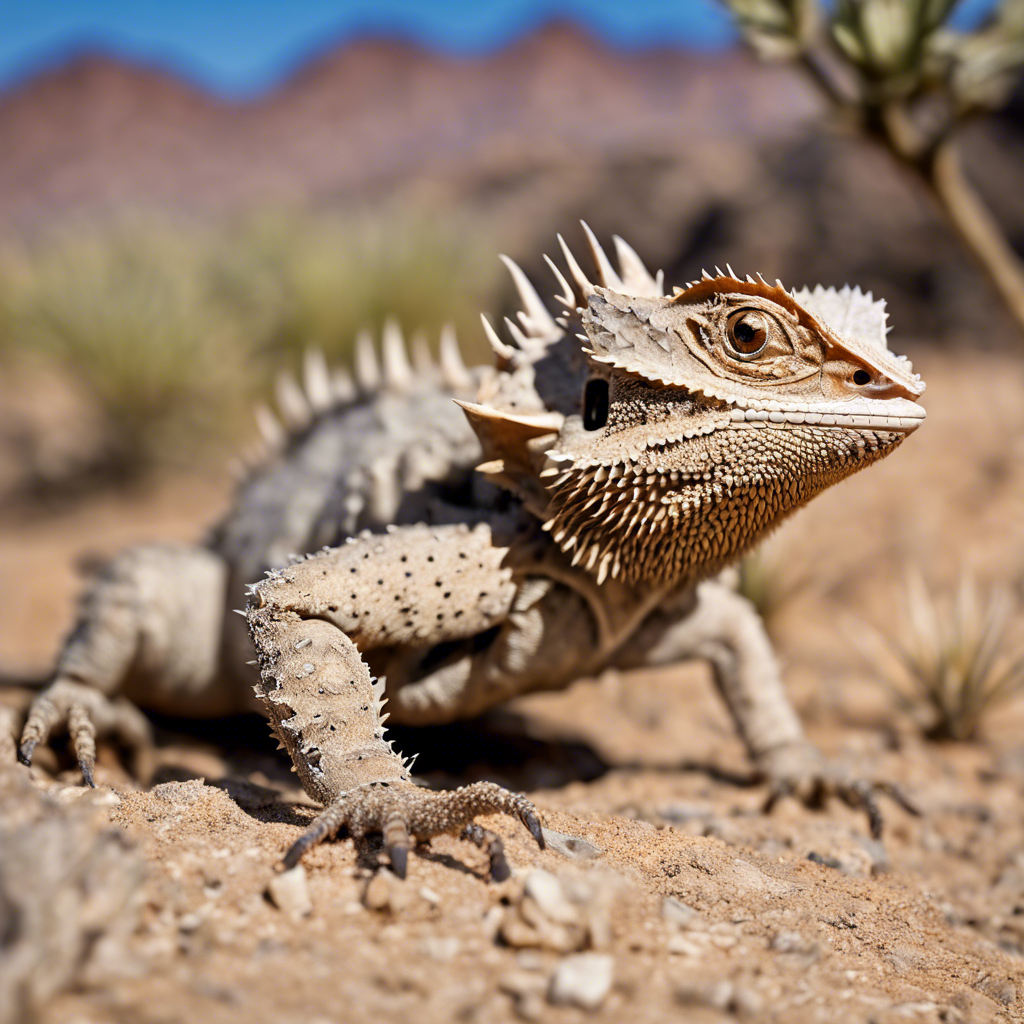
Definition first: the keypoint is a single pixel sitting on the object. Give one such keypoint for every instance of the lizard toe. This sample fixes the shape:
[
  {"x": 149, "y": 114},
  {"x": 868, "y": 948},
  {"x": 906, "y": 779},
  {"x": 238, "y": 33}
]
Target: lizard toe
[
  {"x": 84, "y": 713},
  {"x": 800, "y": 772},
  {"x": 405, "y": 814}
]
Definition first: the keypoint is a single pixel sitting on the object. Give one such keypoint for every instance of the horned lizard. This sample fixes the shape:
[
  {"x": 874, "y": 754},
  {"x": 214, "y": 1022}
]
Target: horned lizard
[{"x": 571, "y": 511}]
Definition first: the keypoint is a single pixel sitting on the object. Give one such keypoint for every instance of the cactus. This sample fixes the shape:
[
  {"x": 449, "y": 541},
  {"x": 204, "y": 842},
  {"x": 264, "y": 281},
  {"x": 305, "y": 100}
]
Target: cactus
[{"x": 898, "y": 71}]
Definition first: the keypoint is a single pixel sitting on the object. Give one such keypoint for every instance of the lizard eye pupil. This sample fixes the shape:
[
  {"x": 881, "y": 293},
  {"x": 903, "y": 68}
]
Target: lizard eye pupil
[
  {"x": 595, "y": 404},
  {"x": 862, "y": 377},
  {"x": 748, "y": 332}
]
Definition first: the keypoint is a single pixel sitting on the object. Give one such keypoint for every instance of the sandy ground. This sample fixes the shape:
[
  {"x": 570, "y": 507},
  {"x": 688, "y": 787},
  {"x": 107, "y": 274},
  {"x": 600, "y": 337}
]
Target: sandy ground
[{"x": 682, "y": 902}]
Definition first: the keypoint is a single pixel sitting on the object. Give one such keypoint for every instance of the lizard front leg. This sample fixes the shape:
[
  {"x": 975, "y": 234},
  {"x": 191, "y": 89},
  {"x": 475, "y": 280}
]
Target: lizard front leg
[
  {"x": 416, "y": 586},
  {"x": 715, "y": 623},
  {"x": 148, "y": 634}
]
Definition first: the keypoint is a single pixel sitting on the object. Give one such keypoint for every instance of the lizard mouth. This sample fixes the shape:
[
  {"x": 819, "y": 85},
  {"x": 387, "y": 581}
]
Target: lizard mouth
[{"x": 894, "y": 415}]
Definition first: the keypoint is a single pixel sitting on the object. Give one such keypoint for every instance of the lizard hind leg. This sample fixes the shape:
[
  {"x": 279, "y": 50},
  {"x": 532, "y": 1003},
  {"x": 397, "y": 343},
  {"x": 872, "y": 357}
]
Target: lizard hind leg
[{"x": 148, "y": 634}]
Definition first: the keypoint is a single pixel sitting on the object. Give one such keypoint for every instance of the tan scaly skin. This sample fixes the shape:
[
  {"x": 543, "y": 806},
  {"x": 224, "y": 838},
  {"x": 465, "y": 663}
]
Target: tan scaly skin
[{"x": 631, "y": 450}]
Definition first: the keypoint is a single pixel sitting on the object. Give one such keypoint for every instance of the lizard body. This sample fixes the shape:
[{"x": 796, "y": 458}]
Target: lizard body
[{"x": 571, "y": 513}]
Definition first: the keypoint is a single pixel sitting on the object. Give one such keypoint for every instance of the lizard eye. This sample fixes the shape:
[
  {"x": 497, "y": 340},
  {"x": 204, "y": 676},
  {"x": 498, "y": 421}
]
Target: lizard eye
[
  {"x": 748, "y": 332},
  {"x": 595, "y": 404}
]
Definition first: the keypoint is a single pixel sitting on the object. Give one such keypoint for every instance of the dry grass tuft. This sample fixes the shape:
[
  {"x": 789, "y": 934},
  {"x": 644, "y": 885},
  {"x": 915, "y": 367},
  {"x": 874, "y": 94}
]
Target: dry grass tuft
[
  {"x": 172, "y": 331},
  {"x": 951, "y": 667},
  {"x": 771, "y": 577}
]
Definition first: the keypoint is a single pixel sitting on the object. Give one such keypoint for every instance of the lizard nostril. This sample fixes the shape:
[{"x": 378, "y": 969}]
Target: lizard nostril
[{"x": 862, "y": 377}]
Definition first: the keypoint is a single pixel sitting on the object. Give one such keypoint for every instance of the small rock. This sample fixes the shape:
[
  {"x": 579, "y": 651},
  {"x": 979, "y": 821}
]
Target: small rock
[
  {"x": 683, "y": 946},
  {"x": 527, "y": 992},
  {"x": 970, "y": 1007},
  {"x": 546, "y": 890},
  {"x": 721, "y": 995},
  {"x": 678, "y": 913},
  {"x": 430, "y": 896},
  {"x": 105, "y": 798},
  {"x": 530, "y": 1006},
  {"x": 582, "y": 980},
  {"x": 1002, "y": 990},
  {"x": 516, "y": 983},
  {"x": 189, "y": 923},
  {"x": 793, "y": 944},
  {"x": 574, "y": 847},
  {"x": 289, "y": 892},
  {"x": 492, "y": 921},
  {"x": 69, "y": 794},
  {"x": 520, "y": 934},
  {"x": 443, "y": 949},
  {"x": 531, "y": 960},
  {"x": 100, "y": 797},
  {"x": 385, "y": 891}
]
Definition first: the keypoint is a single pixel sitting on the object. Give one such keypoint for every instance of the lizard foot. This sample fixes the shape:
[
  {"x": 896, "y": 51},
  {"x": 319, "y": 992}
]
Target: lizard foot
[
  {"x": 406, "y": 814},
  {"x": 798, "y": 770},
  {"x": 85, "y": 713}
]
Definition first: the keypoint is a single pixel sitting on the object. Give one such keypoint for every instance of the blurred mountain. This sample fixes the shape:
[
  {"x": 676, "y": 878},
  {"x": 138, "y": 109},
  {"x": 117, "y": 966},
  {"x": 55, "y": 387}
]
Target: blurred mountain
[{"x": 695, "y": 158}]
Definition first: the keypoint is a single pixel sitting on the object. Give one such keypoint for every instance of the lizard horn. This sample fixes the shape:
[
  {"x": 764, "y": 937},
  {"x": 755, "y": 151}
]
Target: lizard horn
[
  {"x": 397, "y": 371},
  {"x": 366, "y": 366}
]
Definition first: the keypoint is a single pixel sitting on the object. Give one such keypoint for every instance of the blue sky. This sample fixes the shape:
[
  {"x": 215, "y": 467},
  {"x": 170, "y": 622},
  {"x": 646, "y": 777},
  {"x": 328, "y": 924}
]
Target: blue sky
[{"x": 241, "y": 48}]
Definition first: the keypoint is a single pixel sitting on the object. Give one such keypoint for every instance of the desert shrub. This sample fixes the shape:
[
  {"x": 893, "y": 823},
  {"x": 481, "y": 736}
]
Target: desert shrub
[
  {"x": 951, "y": 665},
  {"x": 302, "y": 280},
  {"x": 173, "y": 330},
  {"x": 132, "y": 316}
]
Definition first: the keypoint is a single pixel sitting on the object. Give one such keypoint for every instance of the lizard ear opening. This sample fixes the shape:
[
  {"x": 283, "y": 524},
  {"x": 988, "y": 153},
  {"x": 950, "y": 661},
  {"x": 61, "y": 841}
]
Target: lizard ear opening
[{"x": 595, "y": 404}]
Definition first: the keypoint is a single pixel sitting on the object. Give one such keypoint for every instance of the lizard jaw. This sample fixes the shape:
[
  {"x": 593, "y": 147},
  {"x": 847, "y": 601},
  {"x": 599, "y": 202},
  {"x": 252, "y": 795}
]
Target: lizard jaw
[{"x": 893, "y": 415}]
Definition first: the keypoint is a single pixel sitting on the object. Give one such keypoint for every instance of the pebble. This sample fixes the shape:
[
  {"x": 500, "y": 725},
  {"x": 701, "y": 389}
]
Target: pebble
[
  {"x": 573, "y": 847},
  {"x": 678, "y": 913},
  {"x": 527, "y": 992},
  {"x": 546, "y": 890},
  {"x": 531, "y": 960},
  {"x": 683, "y": 946},
  {"x": 188, "y": 923},
  {"x": 721, "y": 995},
  {"x": 540, "y": 933},
  {"x": 386, "y": 892},
  {"x": 430, "y": 896},
  {"x": 69, "y": 794},
  {"x": 582, "y": 980},
  {"x": 442, "y": 949},
  {"x": 289, "y": 892}
]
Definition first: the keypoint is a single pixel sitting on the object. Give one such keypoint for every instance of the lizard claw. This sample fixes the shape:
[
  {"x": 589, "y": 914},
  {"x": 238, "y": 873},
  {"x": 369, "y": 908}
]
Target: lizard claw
[
  {"x": 396, "y": 844},
  {"x": 84, "y": 712},
  {"x": 799, "y": 771},
  {"x": 407, "y": 814}
]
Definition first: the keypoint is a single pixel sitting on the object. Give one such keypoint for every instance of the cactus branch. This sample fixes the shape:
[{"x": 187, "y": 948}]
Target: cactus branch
[
  {"x": 936, "y": 162},
  {"x": 874, "y": 61},
  {"x": 976, "y": 226}
]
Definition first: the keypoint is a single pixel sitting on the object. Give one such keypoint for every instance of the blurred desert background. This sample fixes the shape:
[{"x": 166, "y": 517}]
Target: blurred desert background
[{"x": 165, "y": 251}]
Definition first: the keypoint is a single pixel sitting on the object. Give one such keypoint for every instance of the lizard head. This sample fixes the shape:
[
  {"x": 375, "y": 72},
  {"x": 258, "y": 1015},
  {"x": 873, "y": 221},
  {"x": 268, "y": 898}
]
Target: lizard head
[{"x": 705, "y": 417}]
